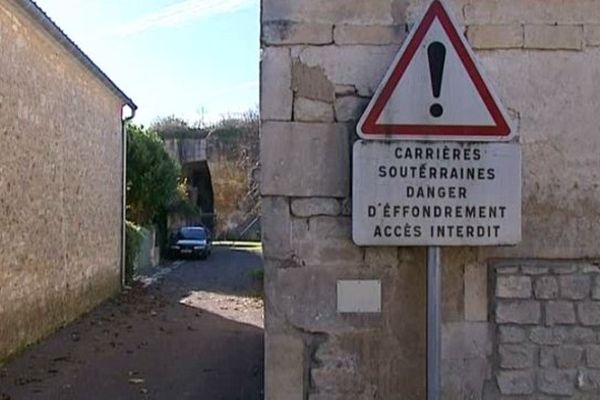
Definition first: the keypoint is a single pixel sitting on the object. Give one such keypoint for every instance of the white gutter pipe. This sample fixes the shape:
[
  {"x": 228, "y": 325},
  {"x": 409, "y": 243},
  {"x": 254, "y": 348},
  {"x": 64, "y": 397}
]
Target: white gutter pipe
[{"x": 124, "y": 123}]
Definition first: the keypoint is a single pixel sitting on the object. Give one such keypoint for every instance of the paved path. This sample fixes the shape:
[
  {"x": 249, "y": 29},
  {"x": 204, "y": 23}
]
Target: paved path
[{"x": 197, "y": 333}]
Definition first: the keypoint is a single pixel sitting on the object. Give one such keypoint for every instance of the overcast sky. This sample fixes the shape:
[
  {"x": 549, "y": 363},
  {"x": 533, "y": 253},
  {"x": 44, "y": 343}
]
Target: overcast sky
[{"x": 189, "y": 58}]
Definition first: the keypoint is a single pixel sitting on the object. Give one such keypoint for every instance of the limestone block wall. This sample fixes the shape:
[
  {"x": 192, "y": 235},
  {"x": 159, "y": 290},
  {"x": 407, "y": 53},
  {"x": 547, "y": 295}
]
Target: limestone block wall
[
  {"x": 547, "y": 316},
  {"x": 60, "y": 184},
  {"x": 321, "y": 62}
]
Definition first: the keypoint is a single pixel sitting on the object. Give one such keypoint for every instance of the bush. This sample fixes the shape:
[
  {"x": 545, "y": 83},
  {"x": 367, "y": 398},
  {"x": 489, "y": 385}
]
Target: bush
[
  {"x": 153, "y": 178},
  {"x": 155, "y": 187},
  {"x": 133, "y": 242}
]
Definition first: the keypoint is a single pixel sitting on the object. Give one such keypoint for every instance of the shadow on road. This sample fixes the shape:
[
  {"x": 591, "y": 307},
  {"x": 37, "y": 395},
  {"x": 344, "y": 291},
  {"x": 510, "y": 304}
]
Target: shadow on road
[{"x": 195, "y": 335}]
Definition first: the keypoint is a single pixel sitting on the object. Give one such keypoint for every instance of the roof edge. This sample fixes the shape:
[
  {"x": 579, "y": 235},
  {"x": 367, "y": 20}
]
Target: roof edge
[{"x": 34, "y": 11}]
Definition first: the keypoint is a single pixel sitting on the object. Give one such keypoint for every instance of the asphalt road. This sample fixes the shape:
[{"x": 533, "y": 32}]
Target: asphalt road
[{"x": 195, "y": 333}]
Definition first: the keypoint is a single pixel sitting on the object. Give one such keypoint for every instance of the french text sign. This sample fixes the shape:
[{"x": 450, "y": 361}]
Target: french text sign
[{"x": 436, "y": 193}]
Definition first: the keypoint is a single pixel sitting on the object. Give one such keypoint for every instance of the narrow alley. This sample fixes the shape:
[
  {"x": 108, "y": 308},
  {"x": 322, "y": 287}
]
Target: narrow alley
[{"x": 194, "y": 331}]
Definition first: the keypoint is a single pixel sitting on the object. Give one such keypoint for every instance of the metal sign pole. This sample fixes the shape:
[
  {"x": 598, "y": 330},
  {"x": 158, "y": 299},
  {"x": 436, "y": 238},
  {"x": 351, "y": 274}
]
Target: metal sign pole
[{"x": 434, "y": 323}]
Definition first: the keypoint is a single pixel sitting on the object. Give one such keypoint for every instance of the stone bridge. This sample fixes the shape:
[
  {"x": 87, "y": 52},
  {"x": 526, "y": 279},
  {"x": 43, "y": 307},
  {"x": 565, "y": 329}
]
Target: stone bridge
[{"x": 191, "y": 154}]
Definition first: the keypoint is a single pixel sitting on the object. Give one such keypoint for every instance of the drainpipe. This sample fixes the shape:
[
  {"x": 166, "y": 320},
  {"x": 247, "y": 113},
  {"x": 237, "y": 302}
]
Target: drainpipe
[{"x": 124, "y": 122}]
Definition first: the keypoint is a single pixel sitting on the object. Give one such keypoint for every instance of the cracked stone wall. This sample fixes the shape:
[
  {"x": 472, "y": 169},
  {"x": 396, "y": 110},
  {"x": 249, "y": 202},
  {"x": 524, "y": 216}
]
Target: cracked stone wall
[
  {"x": 60, "y": 184},
  {"x": 321, "y": 62}
]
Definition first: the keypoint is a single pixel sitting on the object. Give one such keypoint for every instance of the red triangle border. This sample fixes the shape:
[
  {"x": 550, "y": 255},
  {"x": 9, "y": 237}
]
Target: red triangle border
[{"x": 370, "y": 126}]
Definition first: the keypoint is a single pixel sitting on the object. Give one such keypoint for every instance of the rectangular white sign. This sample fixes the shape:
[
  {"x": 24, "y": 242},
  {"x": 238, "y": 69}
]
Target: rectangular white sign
[
  {"x": 436, "y": 193},
  {"x": 359, "y": 296}
]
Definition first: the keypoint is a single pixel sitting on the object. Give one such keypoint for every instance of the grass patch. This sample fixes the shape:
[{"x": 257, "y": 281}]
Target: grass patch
[{"x": 258, "y": 276}]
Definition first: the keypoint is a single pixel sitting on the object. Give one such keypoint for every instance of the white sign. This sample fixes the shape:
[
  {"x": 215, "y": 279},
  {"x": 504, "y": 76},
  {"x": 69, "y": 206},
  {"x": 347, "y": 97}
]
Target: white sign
[
  {"x": 409, "y": 193},
  {"x": 359, "y": 296},
  {"x": 434, "y": 89}
]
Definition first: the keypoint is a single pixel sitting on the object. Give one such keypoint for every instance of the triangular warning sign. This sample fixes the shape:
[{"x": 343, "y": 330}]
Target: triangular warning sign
[{"x": 434, "y": 90}]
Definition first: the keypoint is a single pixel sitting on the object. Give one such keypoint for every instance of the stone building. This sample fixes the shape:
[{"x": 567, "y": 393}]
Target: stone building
[
  {"x": 61, "y": 178},
  {"x": 519, "y": 322}
]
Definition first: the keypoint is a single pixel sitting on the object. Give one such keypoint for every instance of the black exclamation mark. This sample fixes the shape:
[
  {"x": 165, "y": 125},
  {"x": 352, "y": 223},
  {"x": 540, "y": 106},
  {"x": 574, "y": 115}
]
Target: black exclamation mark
[{"x": 437, "y": 58}]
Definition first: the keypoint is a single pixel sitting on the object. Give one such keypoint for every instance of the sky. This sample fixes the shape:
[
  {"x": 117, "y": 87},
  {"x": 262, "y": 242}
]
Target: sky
[{"x": 194, "y": 59}]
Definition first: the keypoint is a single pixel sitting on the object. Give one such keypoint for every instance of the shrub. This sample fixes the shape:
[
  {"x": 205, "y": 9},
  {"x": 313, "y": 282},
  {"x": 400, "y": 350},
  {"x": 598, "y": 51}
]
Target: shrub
[
  {"x": 153, "y": 178},
  {"x": 133, "y": 242}
]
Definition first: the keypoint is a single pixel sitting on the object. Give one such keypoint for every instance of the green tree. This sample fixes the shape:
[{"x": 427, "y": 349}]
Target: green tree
[
  {"x": 175, "y": 127},
  {"x": 153, "y": 178}
]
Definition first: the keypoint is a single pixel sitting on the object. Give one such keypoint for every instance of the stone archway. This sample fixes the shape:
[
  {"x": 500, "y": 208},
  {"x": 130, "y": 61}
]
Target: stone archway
[{"x": 199, "y": 179}]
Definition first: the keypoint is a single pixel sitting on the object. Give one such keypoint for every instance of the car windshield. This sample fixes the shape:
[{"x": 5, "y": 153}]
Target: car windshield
[{"x": 192, "y": 233}]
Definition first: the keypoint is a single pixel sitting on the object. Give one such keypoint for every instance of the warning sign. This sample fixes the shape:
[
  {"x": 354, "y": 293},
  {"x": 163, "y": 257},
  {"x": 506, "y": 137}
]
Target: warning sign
[
  {"x": 434, "y": 90},
  {"x": 409, "y": 193}
]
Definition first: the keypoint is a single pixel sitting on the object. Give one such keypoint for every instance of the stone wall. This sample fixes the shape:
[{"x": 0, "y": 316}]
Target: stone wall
[
  {"x": 60, "y": 184},
  {"x": 547, "y": 316},
  {"x": 321, "y": 62}
]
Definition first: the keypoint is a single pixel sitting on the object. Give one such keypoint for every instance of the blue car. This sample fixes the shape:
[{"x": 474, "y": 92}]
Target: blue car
[{"x": 191, "y": 241}]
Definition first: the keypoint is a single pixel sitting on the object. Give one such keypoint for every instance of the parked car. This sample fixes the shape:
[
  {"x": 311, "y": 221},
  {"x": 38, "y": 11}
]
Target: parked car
[{"x": 191, "y": 241}]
